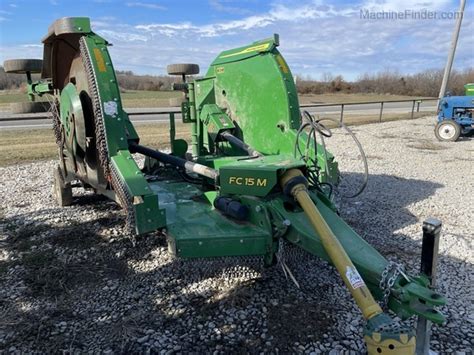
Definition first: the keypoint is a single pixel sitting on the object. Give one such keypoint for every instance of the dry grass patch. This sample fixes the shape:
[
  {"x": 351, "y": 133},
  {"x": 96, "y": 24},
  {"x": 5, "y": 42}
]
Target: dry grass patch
[{"x": 21, "y": 146}]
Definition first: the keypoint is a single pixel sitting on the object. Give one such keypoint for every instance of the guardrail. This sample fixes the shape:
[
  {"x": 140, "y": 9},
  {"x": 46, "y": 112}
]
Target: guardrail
[
  {"x": 415, "y": 102},
  {"x": 159, "y": 111}
]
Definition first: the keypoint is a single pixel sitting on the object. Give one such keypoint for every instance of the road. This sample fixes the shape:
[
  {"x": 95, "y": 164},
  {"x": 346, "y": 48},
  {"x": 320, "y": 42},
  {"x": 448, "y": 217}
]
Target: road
[{"x": 139, "y": 115}]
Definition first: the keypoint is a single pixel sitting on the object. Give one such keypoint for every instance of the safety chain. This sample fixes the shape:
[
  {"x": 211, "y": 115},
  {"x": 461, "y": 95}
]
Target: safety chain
[{"x": 389, "y": 275}]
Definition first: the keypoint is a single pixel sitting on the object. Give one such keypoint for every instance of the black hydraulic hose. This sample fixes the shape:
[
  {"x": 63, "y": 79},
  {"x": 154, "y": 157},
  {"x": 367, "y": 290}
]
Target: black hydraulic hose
[
  {"x": 361, "y": 151},
  {"x": 316, "y": 126},
  {"x": 233, "y": 140},
  {"x": 175, "y": 161}
]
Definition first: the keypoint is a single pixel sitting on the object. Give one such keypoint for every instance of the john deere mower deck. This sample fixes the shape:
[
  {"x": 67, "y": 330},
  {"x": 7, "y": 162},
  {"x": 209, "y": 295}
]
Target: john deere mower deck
[{"x": 256, "y": 174}]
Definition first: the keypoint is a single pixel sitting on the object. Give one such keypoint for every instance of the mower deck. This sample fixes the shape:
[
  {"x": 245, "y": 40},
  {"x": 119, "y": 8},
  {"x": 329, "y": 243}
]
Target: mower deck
[{"x": 197, "y": 229}]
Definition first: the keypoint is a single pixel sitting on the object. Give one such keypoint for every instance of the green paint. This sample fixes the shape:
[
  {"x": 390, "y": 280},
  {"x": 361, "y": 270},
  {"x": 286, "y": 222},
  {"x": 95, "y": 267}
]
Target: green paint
[{"x": 469, "y": 89}]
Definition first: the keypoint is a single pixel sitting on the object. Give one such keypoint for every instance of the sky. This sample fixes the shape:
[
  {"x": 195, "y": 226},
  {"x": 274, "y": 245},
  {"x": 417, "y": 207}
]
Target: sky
[{"x": 317, "y": 37}]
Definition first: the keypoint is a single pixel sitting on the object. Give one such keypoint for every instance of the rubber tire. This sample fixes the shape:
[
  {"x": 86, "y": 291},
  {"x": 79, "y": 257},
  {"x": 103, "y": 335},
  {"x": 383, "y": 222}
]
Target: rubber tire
[
  {"x": 176, "y": 101},
  {"x": 457, "y": 130},
  {"x": 21, "y": 66},
  {"x": 62, "y": 191},
  {"x": 30, "y": 107},
  {"x": 182, "y": 69}
]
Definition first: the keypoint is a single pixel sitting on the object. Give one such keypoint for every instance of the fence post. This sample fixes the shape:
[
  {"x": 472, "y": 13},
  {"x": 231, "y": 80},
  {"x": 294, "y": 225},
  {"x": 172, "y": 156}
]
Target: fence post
[
  {"x": 342, "y": 113},
  {"x": 381, "y": 110},
  {"x": 413, "y": 109},
  {"x": 418, "y": 105}
]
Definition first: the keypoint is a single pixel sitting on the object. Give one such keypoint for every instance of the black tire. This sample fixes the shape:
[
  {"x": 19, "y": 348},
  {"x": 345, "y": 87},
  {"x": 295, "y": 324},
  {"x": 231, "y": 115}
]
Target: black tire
[
  {"x": 182, "y": 69},
  {"x": 447, "y": 131},
  {"x": 62, "y": 191},
  {"x": 176, "y": 101},
  {"x": 30, "y": 107},
  {"x": 21, "y": 66}
]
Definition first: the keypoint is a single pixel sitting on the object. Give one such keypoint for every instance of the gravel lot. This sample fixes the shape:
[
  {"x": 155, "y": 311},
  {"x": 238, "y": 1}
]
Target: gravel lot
[{"x": 70, "y": 282}]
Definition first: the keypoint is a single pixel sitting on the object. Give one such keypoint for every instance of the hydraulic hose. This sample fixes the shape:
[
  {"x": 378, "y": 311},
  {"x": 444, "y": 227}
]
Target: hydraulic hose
[
  {"x": 236, "y": 142},
  {"x": 175, "y": 161}
]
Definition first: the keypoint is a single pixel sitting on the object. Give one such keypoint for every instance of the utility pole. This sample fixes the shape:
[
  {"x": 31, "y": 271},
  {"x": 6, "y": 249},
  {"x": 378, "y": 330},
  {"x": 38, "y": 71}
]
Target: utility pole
[{"x": 452, "y": 50}]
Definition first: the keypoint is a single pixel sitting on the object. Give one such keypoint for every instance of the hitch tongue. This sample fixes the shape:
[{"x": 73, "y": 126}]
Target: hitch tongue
[{"x": 381, "y": 333}]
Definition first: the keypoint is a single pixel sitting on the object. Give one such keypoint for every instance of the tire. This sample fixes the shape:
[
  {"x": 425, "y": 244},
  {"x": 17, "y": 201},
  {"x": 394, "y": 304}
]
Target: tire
[
  {"x": 176, "y": 101},
  {"x": 21, "y": 66},
  {"x": 62, "y": 191},
  {"x": 447, "y": 131},
  {"x": 182, "y": 69},
  {"x": 30, "y": 107}
]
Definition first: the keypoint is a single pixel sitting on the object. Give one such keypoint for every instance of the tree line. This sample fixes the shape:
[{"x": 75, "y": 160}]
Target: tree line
[{"x": 426, "y": 83}]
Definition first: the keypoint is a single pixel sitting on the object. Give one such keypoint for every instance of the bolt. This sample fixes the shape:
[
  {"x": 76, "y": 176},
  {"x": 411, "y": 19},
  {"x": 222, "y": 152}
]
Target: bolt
[
  {"x": 258, "y": 208},
  {"x": 149, "y": 221},
  {"x": 200, "y": 243},
  {"x": 148, "y": 210},
  {"x": 241, "y": 241},
  {"x": 287, "y": 222}
]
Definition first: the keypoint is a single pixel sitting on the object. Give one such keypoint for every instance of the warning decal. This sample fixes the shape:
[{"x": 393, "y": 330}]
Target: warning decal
[{"x": 354, "y": 277}]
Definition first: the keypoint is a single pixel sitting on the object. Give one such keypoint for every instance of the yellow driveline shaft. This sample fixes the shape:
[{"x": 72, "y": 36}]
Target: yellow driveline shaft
[{"x": 334, "y": 249}]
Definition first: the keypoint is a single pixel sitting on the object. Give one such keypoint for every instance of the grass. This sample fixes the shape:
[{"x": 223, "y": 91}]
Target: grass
[
  {"x": 21, "y": 146},
  {"x": 137, "y": 99},
  {"x": 133, "y": 99},
  {"x": 130, "y": 98}
]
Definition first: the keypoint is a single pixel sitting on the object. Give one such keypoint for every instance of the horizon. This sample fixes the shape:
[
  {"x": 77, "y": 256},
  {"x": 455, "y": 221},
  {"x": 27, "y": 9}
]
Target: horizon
[{"x": 316, "y": 37}]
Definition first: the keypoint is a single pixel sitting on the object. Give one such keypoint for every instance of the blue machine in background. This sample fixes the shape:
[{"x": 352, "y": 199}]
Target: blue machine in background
[{"x": 456, "y": 116}]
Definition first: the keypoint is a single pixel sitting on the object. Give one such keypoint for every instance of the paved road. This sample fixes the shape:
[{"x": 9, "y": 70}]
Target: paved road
[{"x": 363, "y": 109}]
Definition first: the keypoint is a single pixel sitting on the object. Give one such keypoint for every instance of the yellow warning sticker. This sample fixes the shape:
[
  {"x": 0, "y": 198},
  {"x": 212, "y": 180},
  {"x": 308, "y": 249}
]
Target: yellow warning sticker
[
  {"x": 100, "y": 60},
  {"x": 219, "y": 70},
  {"x": 282, "y": 64},
  {"x": 258, "y": 48}
]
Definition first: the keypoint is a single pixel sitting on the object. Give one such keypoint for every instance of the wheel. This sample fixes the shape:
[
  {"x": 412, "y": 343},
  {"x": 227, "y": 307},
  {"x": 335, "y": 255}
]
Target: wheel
[
  {"x": 30, "y": 107},
  {"x": 62, "y": 191},
  {"x": 447, "y": 131},
  {"x": 183, "y": 69},
  {"x": 21, "y": 66},
  {"x": 176, "y": 101}
]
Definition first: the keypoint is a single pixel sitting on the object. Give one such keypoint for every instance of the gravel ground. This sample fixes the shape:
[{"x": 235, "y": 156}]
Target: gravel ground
[{"x": 70, "y": 282}]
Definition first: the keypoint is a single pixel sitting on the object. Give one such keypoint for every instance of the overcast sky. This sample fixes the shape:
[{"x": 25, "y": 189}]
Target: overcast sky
[{"x": 316, "y": 37}]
